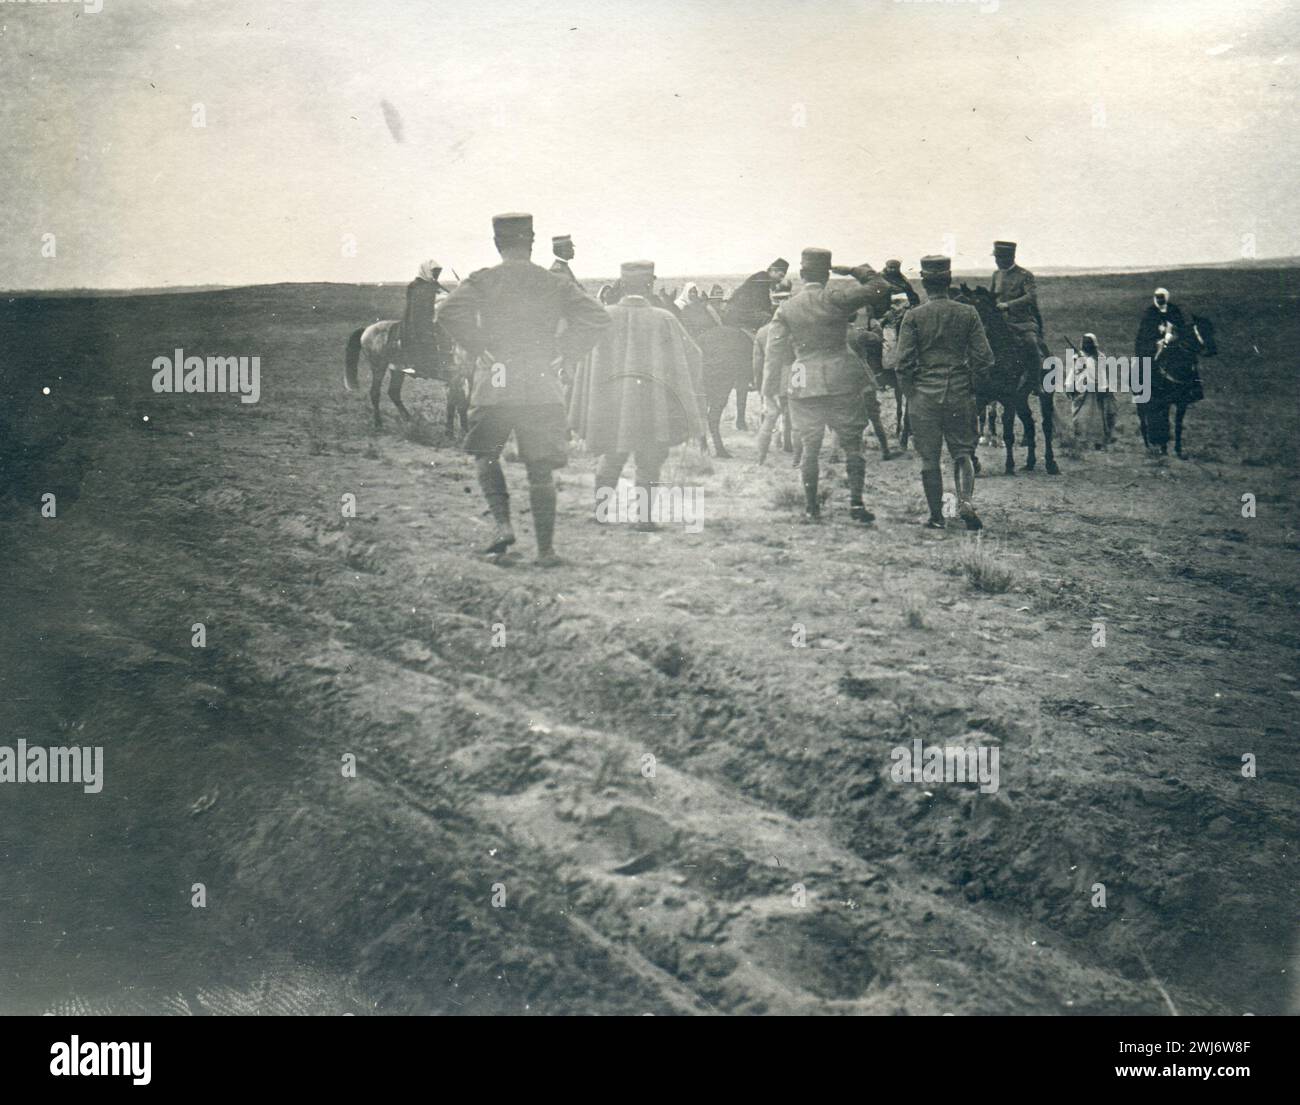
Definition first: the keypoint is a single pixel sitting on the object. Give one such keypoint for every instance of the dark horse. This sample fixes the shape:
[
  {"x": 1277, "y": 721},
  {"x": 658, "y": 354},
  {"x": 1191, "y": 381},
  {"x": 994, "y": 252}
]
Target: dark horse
[
  {"x": 1176, "y": 381},
  {"x": 728, "y": 365},
  {"x": 1017, "y": 374},
  {"x": 382, "y": 344}
]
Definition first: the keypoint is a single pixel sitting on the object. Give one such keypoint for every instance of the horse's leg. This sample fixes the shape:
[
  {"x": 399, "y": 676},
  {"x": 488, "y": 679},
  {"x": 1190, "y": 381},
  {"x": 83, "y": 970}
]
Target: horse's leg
[
  {"x": 742, "y": 401},
  {"x": 395, "y": 379},
  {"x": 715, "y": 424},
  {"x": 1048, "y": 413},
  {"x": 1179, "y": 410},
  {"x": 1009, "y": 435},
  {"x": 1026, "y": 417},
  {"x": 376, "y": 384}
]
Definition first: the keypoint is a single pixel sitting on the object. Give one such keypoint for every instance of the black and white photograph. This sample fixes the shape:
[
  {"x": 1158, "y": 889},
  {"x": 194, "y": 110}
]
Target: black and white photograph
[{"x": 697, "y": 508}]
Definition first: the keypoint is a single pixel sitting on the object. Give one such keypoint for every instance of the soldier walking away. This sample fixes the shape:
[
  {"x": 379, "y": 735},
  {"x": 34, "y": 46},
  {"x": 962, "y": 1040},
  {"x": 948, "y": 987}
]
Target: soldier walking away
[
  {"x": 508, "y": 318},
  {"x": 942, "y": 352},
  {"x": 562, "y": 247},
  {"x": 639, "y": 393},
  {"x": 418, "y": 343},
  {"x": 809, "y": 336},
  {"x": 1016, "y": 294}
]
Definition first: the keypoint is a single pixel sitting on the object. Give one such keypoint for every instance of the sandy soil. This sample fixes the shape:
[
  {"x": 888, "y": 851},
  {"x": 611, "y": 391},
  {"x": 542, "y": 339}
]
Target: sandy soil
[{"x": 521, "y": 770}]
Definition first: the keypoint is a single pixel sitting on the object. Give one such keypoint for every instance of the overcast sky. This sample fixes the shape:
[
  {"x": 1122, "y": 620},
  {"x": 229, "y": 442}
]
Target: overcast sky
[{"x": 709, "y": 136}]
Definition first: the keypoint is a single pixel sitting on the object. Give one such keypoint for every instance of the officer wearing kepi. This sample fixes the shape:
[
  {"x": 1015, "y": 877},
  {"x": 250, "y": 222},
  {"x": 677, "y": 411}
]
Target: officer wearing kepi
[
  {"x": 827, "y": 380},
  {"x": 1016, "y": 295},
  {"x": 509, "y": 319},
  {"x": 943, "y": 353}
]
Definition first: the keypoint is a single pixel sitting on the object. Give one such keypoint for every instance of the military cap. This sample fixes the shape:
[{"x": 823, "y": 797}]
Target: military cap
[
  {"x": 814, "y": 258},
  {"x": 780, "y": 263},
  {"x": 562, "y": 240},
  {"x": 893, "y": 265},
  {"x": 637, "y": 270},
  {"x": 1004, "y": 247},
  {"x": 936, "y": 264},
  {"x": 513, "y": 224}
]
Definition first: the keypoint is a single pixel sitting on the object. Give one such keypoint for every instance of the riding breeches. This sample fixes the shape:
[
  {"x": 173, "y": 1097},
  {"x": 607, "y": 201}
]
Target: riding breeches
[{"x": 935, "y": 421}]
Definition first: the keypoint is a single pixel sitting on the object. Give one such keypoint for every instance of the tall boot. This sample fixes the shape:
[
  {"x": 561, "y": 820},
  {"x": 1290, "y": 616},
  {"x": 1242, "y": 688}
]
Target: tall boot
[
  {"x": 856, "y": 466},
  {"x": 812, "y": 507},
  {"x": 964, "y": 476},
  {"x": 885, "y": 454},
  {"x": 932, "y": 482},
  {"x": 541, "y": 495},
  {"x": 764, "y": 442},
  {"x": 493, "y": 482}
]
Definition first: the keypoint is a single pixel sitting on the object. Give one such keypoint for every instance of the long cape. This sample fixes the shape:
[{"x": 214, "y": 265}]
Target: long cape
[{"x": 642, "y": 384}]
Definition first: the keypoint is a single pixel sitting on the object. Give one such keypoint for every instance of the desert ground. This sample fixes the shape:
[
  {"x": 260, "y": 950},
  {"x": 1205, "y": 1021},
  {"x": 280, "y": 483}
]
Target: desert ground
[{"x": 619, "y": 787}]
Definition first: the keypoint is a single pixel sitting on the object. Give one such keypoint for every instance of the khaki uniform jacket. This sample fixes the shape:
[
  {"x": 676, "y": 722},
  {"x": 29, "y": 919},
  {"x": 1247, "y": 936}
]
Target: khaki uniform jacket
[
  {"x": 943, "y": 351},
  {"x": 561, "y": 268},
  {"x": 511, "y": 315},
  {"x": 1015, "y": 286},
  {"x": 811, "y": 330}
]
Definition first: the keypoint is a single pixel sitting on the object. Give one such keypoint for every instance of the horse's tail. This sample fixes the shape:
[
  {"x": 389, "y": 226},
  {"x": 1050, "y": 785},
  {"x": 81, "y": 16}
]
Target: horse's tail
[{"x": 352, "y": 359}]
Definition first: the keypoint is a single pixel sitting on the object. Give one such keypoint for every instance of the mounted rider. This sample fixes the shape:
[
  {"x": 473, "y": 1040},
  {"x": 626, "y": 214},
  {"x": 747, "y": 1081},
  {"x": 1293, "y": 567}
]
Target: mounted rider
[
  {"x": 562, "y": 247},
  {"x": 1016, "y": 294},
  {"x": 750, "y": 305},
  {"x": 419, "y": 344}
]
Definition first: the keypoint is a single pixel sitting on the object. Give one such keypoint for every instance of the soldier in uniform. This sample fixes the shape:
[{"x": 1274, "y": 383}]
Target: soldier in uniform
[
  {"x": 1016, "y": 294},
  {"x": 562, "y": 247},
  {"x": 508, "y": 318},
  {"x": 942, "y": 352},
  {"x": 640, "y": 392},
  {"x": 809, "y": 337}
]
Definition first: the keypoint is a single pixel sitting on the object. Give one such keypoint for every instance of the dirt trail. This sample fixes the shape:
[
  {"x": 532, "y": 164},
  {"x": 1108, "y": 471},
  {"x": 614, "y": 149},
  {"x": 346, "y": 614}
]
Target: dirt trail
[{"x": 765, "y": 862}]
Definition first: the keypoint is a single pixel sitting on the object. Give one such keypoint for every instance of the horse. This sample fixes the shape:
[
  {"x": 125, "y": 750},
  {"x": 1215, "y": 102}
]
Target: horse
[
  {"x": 1016, "y": 375},
  {"x": 728, "y": 365},
  {"x": 1176, "y": 380},
  {"x": 382, "y": 344}
]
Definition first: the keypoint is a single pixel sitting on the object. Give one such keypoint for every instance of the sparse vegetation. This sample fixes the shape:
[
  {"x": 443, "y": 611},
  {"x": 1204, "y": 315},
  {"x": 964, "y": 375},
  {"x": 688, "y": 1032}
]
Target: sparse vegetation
[{"x": 980, "y": 567}]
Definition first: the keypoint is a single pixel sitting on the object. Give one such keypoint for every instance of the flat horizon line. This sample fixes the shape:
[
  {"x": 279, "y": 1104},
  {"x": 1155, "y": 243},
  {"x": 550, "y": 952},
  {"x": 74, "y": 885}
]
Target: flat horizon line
[{"x": 1043, "y": 270}]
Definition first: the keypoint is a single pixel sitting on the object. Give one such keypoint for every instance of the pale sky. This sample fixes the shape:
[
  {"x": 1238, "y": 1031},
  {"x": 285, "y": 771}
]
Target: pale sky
[{"x": 709, "y": 136}]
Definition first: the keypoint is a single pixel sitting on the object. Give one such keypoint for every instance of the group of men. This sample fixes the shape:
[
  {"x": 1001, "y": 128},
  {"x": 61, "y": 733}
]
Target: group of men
[{"x": 636, "y": 386}]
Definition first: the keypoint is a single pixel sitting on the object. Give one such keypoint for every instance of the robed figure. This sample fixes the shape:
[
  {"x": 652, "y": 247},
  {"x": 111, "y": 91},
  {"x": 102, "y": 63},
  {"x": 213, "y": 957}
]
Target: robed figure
[{"x": 641, "y": 389}]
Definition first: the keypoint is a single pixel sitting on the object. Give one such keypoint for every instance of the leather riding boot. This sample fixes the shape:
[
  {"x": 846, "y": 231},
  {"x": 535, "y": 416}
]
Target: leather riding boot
[
  {"x": 493, "y": 483},
  {"x": 964, "y": 477},
  {"x": 812, "y": 507},
  {"x": 541, "y": 496},
  {"x": 856, "y": 467},
  {"x": 932, "y": 483}
]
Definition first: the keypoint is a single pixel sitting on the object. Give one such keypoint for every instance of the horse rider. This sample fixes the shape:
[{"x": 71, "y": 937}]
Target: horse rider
[
  {"x": 1016, "y": 294},
  {"x": 418, "y": 342},
  {"x": 639, "y": 393},
  {"x": 773, "y": 382},
  {"x": 893, "y": 274},
  {"x": 750, "y": 306},
  {"x": 562, "y": 247},
  {"x": 1167, "y": 336},
  {"x": 809, "y": 336},
  {"x": 508, "y": 318},
  {"x": 942, "y": 353}
]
